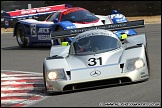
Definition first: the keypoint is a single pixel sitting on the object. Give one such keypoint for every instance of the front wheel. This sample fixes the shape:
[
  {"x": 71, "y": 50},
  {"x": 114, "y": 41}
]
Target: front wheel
[
  {"x": 44, "y": 79},
  {"x": 20, "y": 36},
  {"x": 147, "y": 58}
]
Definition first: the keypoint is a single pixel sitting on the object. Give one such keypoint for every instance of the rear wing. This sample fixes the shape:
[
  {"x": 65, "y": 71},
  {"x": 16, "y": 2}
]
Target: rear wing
[
  {"x": 111, "y": 27},
  {"x": 27, "y": 13}
]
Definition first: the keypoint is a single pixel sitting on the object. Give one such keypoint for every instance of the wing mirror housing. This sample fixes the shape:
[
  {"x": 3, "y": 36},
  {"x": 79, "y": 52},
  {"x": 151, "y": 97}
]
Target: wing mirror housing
[{"x": 55, "y": 20}]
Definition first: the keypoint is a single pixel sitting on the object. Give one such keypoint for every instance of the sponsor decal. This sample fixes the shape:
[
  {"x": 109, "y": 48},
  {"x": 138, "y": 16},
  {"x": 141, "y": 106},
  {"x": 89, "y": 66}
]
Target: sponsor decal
[
  {"x": 44, "y": 37},
  {"x": 33, "y": 30},
  {"x": 121, "y": 20},
  {"x": 95, "y": 73},
  {"x": 71, "y": 27},
  {"x": 143, "y": 74},
  {"x": 109, "y": 26},
  {"x": 6, "y": 23},
  {"x": 93, "y": 34},
  {"x": 43, "y": 30},
  {"x": 117, "y": 16},
  {"x": 35, "y": 10}
]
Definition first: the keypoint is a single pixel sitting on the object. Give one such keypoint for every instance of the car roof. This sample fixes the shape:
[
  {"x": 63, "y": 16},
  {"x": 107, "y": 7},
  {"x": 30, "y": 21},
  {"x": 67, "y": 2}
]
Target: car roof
[{"x": 68, "y": 9}]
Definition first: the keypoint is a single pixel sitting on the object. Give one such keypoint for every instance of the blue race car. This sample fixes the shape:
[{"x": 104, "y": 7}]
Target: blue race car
[{"x": 31, "y": 32}]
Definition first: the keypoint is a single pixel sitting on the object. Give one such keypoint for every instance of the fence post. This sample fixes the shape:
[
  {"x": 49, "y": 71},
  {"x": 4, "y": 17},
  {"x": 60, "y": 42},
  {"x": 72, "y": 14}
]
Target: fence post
[{"x": 29, "y": 6}]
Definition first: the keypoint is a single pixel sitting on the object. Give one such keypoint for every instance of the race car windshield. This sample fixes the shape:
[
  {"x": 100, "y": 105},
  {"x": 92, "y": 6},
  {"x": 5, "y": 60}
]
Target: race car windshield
[
  {"x": 96, "y": 44},
  {"x": 79, "y": 16}
]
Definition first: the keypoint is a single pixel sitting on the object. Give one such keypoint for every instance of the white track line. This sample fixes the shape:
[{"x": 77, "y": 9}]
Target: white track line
[
  {"x": 14, "y": 82},
  {"x": 14, "y": 78},
  {"x": 12, "y": 102},
  {"x": 18, "y": 94},
  {"x": 17, "y": 75},
  {"x": 26, "y": 88},
  {"x": 20, "y": 72}
]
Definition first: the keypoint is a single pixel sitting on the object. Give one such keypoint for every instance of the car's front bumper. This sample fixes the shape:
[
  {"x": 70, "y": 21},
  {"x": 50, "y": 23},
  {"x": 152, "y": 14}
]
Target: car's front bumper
[{"x": 66, "y": 85}]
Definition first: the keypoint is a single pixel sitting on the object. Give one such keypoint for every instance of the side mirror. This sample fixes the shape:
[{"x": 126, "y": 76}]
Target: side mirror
[
  {"x": 55, "y": 20},
  {"x": 65, "y": 43}
]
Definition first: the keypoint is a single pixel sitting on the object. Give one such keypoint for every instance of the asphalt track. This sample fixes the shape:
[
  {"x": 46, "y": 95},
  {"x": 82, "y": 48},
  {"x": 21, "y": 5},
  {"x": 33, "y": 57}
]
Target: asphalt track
[{"x": 143, "y": 93}]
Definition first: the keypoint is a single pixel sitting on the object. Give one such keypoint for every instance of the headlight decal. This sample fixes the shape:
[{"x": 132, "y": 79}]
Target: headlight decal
[
  {"x": 56, "y": 74},
  {"x": 133, "y": 64},
  {"x": 139, "y": 63},
  {"x": 52, "y": 75}
]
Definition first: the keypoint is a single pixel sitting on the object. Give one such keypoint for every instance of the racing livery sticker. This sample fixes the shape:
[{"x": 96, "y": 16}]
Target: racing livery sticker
[
  {"x": 117, "y": 16},
  {"x": 93, "y": 34},
  {"x": 30, "y": 11},
  {"x": 43, "y": 34},
  {"x": 6, "y": 23},
  {"x": 33, "y": 30},
  {"x": 44, "y": 37},
  {"x": 95, "y": 73},
  {"x": 93, "y": 61},
  {"x": 43, "y": 30}
]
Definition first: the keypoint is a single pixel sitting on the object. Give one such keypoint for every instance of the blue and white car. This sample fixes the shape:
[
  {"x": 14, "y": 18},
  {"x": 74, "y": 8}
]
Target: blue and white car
[{"x": 31, "y": 32}]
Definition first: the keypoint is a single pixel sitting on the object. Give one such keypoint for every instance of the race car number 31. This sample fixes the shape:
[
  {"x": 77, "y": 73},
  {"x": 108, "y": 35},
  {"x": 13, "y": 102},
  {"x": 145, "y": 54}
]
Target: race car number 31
[{"x": 94, "y": 61}]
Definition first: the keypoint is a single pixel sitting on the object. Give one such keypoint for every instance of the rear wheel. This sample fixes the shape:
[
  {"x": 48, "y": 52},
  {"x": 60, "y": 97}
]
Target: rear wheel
[{"x": 20, "y": 36}]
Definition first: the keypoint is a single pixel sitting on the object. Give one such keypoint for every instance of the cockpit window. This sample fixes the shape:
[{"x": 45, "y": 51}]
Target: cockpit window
[
  {"x": 95, "y": 44},
  {"x": 53, "y": 16},
  {"x": 79, "y": 16}
]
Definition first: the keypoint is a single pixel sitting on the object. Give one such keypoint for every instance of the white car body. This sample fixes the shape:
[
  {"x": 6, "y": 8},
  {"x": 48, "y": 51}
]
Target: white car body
[{"x": 87, "y": 70}]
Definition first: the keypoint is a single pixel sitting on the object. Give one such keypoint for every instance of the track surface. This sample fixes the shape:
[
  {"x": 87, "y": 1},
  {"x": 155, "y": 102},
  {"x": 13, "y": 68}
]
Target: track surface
[{"x": 31, "y": 59}]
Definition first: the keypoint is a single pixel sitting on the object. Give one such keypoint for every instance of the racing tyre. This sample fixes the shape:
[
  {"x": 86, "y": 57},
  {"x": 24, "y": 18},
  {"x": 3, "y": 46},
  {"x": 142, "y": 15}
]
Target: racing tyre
[
  {"x": 44, "y": 79},
  {"x": 147, "y": 58},
  {"x": 20, "y": 36},
  {"x": 59, "y": 28}
]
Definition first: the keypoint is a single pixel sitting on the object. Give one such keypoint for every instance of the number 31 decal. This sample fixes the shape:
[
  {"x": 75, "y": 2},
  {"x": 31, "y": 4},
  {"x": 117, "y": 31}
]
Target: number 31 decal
[{"x": 93, "y": 61}]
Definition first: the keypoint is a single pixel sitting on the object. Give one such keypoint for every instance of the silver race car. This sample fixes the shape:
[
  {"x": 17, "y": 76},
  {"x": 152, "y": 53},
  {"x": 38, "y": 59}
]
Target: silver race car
[{"x": 96, "y": 57}]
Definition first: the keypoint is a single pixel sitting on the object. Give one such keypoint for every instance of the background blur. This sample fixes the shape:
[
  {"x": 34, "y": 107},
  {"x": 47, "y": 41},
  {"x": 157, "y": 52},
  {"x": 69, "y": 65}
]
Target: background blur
[{"x": 128, "y": 8}]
